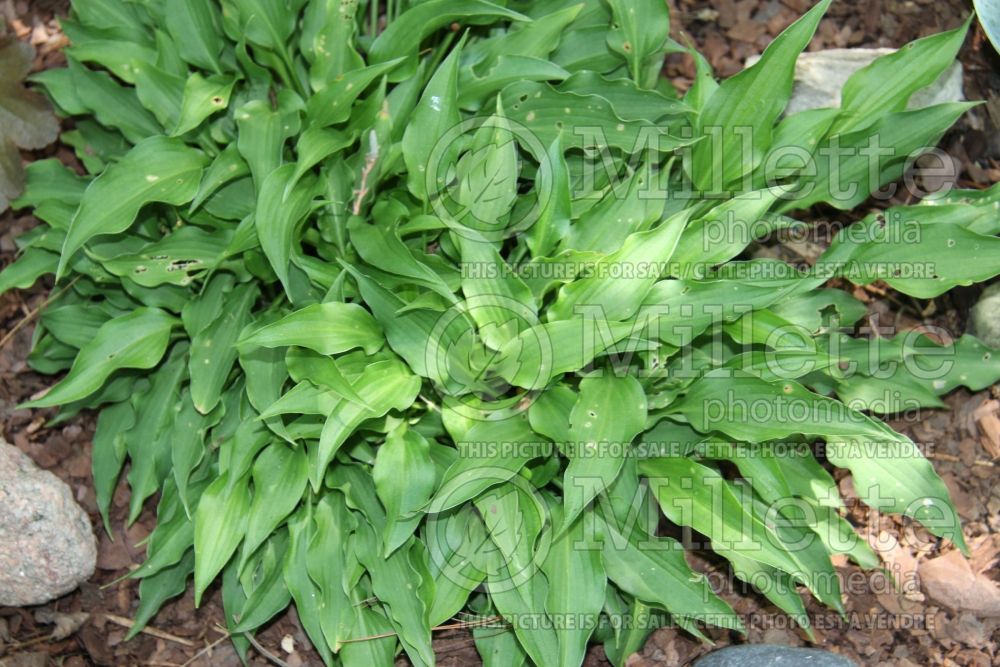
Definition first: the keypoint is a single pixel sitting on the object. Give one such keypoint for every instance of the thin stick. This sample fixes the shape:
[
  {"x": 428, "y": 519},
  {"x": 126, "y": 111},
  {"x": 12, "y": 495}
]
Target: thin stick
[
  {"x": 371, "y": 159},
  {"x": 951, "y": 458},
  {"x": 205, "y": 650},
  {"x": 264, "y": 652},
  {"x": 152, "y": 632},
  {"x": 452, "y": 626},
  {"x": 34, "y": 312}
]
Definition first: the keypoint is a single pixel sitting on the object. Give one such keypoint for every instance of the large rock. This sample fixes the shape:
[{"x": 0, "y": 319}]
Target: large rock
[
  {"x": 47, "y": 545},
  {"x": 772, "y": 655},
  {"x": 984, "y": 319},
  {"x": 819, "y": 76}
]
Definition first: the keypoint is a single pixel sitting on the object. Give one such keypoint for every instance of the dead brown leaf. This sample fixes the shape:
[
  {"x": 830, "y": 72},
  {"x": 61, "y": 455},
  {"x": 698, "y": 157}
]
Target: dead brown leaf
[{"x": 950, "y": 580}]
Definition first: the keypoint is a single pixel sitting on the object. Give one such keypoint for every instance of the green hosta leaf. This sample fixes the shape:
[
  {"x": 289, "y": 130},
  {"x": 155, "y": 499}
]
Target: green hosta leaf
[
  {"x": 278, "y": 216},
  {"x": 643, "y": 254},
  {"x": 545, "y": 351},
  {"x": 327, "y": 328},
  {"x": 326, "y": 561},
  {"x": 220, "y": 525},
  {"x": 902, "y": 481},
  {"x": 478, "y": 467},
  {"x": 581, "y": 121},
  {"x": 213, "y": 350},
  {"x": 553, "y": 222},
  {"x": 175, "y": 259},
  {"x": 113, "y": 105},
  {"x": 908, "y": 132},
  {"x": 654, "y": 570},
  {"x": 713, "y": 507},
  {"x": 887, "y": 84},
  {"x": 261, "y": 138},
  {"x": 988, "y": 17},
  {"x": 575, "y": 573},
  {"x": 148, "y": 442},
  {"x": 749, "y": 104},
  {"x": 202, "y": 98},
  {"x": 156, "y": 589},
  {"x": 332, "y": 103},
  {"x": 136, "y": 340},
  {"x": 280, "y": 475},
  {"x": 641, "y": 28},
  {"x": 923, "y": 260},
  {"x": 328, "y": 32},
  {"x": 264, "y": 23},
  {"x": 383, "y": 386},
  {"x": 501, "y": 304},
  {"x": 473, "y": 91},
  {"x": 195, "y": 27},
  {"x": 26, "y": 269},
  {"x": 403, "y": 36},
  {"x": 156, "y": 170},
  {"x": 405, "y": 452},
  {"x": 608, "y": 414},
  {"x": 397, "y": 580},
  {"x": 187, "y": 445},
  {"x": 435, "y": 114},
  {"x": 270, "y": 595},
  {"x": 108, "y": 454},
  {"x": 304, "y": 591}
]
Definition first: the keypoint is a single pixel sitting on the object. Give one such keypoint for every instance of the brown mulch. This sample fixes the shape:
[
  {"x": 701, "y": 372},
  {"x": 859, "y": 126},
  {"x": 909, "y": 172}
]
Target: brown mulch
[{"x": 928, "y": 625}]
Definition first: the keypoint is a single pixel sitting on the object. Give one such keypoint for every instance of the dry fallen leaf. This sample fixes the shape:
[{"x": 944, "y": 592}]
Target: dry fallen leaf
[
  {"x": 66, "y": 624},
  {"x": 950, "y": 580}
]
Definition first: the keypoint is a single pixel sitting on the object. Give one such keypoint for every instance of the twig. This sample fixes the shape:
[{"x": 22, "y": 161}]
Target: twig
[
  {"x": 451, "y": 626},
  {"x": 208, "y": 648},
  {"x": 34, "y": 313},
  {"x": 152, "y": 632},
  {"x": 371, "y": 159},
  {"x": 951, "y": 458},
  {"x": 264, "y": 652}
]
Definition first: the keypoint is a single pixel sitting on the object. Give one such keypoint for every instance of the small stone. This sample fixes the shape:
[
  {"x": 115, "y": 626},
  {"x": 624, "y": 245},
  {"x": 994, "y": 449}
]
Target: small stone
[
  {"x": 772, "y": 655},
  {"x": 47, "y": 546},
  {"x": 820, "y": 75},
  {"x": 984, "y": 318}
]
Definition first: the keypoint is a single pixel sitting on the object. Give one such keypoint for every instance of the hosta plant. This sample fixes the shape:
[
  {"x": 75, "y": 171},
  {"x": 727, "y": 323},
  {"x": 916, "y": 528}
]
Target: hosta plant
[{"x": 425, "y": 310}]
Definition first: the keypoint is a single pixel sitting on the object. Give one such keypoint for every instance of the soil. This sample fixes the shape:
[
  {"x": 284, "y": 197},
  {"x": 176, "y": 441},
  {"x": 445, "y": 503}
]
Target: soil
[{"x": 942, "y": 622}]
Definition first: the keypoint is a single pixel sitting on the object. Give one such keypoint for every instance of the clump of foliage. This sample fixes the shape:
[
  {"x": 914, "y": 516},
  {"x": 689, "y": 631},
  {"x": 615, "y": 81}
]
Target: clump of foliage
[{"x": 363, "y": 292}]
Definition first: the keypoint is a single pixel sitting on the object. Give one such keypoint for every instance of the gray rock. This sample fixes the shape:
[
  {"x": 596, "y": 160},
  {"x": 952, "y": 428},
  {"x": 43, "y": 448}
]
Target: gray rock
[
  {"x": 984, "y": 318},
  {"x": 47, "y": 545},
  {"x": 770, "y": 655},
  {"x": 819, "y": 76}
]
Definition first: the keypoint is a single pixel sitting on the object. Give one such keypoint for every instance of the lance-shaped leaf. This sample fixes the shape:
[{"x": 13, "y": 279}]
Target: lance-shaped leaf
[
  {"x": 890, "y": 472},
  {"x": 403, "y": 36},
  {"x": 640, "y": 31},
  {"x": 641, "y": 261},
  {"x": 404, "y": 453},
  {"x": 280, "y": 475},
  {"x": 279, "y": 213},
  {"x": 333, "y": 103},
  {"x": 219, "y": 526},
  {"x": 609, "y": 412},
  {"x": 577, "y": 582},
  {"x": 435, "y": 114},
  {"x": 748, "y": 104},
  {"x": 327, "y": 328},
  {"x": 135, "y": 340},
  {"x": 691, "y": 494},
  {"x": 158, "y": 169},
  {"x": 653, "y": 570}
]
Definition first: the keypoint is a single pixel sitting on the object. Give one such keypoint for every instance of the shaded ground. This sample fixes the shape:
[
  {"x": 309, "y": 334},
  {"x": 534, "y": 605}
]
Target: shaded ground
[{"x": 960, "y": 441}]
